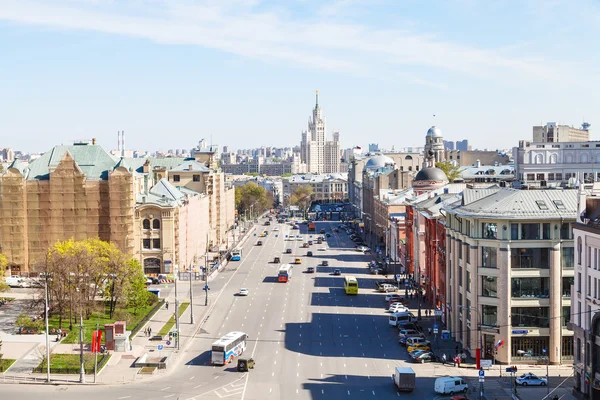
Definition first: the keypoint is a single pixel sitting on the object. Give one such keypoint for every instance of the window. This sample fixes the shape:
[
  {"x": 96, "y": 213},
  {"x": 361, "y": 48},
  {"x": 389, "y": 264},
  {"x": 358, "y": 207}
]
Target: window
[
  {"x": 176, "y": 178},
  {"x": 567, "y": 258},
  {"x": 559, "y": 176},
  {"x": 460, "y": 281},
  {"x": 460, "y": 250},
  {"x": 530, "y": 287},
  {"x": 589, "y": 257},
  {"x": 468, "y": 311},
  {"x": 541, "y": 204},
  {"x": 579, "y": 282},
  {"x": 530, "y": 258},
  {"x": 565, "y": 231},
  {"x": 550, "y": 176},
  {"x": 514, "y": 231},
  {"x": 196, "y": 178},
  {"x": 540, "y": 177},
  {"x": 530, "y": 231},
  {"x": 489, "y": 315},
  {"x": 589, "y": 285},
  {"x": 467, "y": 253},
  {"x": 156, "y": 224},
  {"x": 156, "y": 243},
  {"x": 559, "y": 204},
  {"x": 489, "y": 286},
  {"x": 579, "y": 311},
  {"x": 566, "y": 315},
  {"x": 146, "y": 244},
  {"x": 528, "y": 347},
  {"x": 146, "y": 224},
  {"x": 489, "y": 230},
  {"x": 489, "y": 257},
  {"x": 530, "y": 177},
  {"x": 578, "y": 348},
  {"x": 546, "y": 231},
  {"x": 579, "y": 250},
  {"x": 468, "y": 281},
  {"x": 567, "y": 282},
  {"x": 530, "y": 316}
]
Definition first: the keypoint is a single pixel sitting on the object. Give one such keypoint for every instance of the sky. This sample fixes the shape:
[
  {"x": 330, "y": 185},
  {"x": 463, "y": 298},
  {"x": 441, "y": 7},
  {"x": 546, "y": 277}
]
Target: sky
[{"x": 243, "y": 73}]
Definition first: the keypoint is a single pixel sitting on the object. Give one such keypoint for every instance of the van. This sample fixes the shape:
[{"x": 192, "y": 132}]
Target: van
[
  {"x": 415, "y": 340},
  {"x": 398, "y": 317},
  {"x": 450, "y": 385},
  {"x": 15, "y": 281}
]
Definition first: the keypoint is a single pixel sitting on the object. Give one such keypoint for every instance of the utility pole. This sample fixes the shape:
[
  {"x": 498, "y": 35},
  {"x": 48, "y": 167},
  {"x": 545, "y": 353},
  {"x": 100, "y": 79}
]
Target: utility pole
[
  {"x": 545, "y": 351},
  {"x": 81, "y": 361},
  {"x": 192, "y": 296},
  {"x": 177, "y": 309},
  {"x": 47, "y": 332},
  {"x": 206, "y": 279}
]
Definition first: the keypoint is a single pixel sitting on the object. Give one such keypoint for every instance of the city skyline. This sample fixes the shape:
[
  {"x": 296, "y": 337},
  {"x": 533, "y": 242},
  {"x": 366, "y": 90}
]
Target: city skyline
[{"x": 89, "y": 69}]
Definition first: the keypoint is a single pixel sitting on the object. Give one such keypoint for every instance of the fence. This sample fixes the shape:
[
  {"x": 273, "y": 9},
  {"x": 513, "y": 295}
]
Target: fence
[{"x": 102, "y": 360}]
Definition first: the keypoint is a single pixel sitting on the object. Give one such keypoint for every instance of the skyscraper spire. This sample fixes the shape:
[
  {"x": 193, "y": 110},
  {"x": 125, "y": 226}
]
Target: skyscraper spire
[{"x": 317, "y": 103}]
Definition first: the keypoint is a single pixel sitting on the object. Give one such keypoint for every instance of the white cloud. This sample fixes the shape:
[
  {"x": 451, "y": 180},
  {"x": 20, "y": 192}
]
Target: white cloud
[{"x": 248, "y": 28}]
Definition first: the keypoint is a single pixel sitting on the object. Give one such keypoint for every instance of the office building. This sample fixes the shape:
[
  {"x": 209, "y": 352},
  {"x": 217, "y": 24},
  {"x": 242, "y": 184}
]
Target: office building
[{"x": 554, "y": 133}]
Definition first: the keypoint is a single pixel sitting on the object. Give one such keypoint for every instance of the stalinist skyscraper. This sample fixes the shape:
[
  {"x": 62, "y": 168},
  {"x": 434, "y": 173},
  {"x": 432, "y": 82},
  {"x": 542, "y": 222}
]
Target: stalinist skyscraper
[{"x": 319, "y": 155}]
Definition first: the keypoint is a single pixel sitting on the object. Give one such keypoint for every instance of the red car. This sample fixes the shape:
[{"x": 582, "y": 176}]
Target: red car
[{"x": 459, "y": 397}]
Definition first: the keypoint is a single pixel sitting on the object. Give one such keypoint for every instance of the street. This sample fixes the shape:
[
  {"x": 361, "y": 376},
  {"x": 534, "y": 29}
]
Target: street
[{"x": 309, "y": 339}]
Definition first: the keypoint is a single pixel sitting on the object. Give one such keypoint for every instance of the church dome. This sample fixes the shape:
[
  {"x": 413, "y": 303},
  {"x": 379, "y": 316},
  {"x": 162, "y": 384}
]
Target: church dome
[
  {"x": 434, "y": 132},
  {"x": 431, "y": 174},
  {"x": 377, "y": 162}
]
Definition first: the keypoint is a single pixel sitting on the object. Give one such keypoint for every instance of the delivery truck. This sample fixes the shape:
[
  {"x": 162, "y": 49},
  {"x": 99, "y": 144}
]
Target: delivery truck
[{"x": 405, "y": 379}]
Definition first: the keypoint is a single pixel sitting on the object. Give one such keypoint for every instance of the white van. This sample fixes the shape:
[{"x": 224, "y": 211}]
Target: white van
[
  {"x": 15, "y": 281},
  {"x": 450, "y": 385},
  {"x": 396, "y": 318}
]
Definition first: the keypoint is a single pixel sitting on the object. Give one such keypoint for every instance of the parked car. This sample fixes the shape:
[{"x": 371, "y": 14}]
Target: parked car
[
  {"x": 309, "y": 253},
  {"x": 406, "y": 333},
  {"x": 288, "y": 251},
  {"x": 426, "y": 356},
  {"x": 415, "y": 340},
  {"x": 418, "y": 347},
  {"x": 337, "y": 271},
  {"x": 310, "y": 270},
  {"x": 393, "y": 296},
  {"x": 406, "y": 324},
  {"x": 325, "y": 263},
  {"x": 530, "y": 379}
]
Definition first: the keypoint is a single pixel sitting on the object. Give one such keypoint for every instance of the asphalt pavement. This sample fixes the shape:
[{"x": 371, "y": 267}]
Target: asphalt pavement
[{"x": 309, "y": 339}]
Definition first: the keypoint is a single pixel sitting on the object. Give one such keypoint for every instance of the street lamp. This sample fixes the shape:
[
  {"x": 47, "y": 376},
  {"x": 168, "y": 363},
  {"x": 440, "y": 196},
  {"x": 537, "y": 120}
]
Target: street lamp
[{"x": 478, "y": 351}]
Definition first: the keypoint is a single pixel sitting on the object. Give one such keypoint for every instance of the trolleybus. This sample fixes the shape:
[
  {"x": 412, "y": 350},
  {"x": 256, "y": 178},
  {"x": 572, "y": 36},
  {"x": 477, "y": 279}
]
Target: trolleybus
[{"x": 228, "y": 347}]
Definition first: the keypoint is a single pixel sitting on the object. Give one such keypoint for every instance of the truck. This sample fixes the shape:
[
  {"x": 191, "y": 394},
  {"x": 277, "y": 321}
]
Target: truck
[
  {"x": 312, "y": 227},
  {"x": 405, "y": 379}
]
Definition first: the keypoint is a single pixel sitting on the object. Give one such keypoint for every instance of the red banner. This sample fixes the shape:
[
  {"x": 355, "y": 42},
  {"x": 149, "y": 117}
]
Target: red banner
[{"x": 96, "y": 341}]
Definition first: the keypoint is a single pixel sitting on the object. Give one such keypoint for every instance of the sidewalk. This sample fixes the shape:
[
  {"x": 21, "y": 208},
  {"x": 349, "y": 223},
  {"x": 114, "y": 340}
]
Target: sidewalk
[{"x": 119, "y": 368}]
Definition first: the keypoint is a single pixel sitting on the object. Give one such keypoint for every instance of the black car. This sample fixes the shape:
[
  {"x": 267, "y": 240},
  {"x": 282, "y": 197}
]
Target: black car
[
  {"x": 309, "y": 254},
  {"x": 259, "y": 243},
  {"x": 337, "y": 271},
  {"x": 322, "y": 231},
  {"x": 325, "y": 263},
  {"x": 288, "y": 251},
  {"x": 310, "y": 270},
  {"x": 426, "y": 356},
  {"x": 328, "y": 235},
  {"x": 386, "y": 281}
]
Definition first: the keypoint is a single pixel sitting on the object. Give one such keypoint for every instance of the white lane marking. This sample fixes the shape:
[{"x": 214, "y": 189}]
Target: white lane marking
[
  {"x": 275, "y": 362},
  {"x": 192, "y": 378},
  {"x": 169, "y": 395},
  {"x": 296, "y": 390},
  {"x": 168, "y": 387},
  {"x": 273, "y": 374},
  {"x": 124, "y": 397},
  {"x": 373, "y": 393},
  {"x": 348, "y": 393},
  {"x": 196, "y": 387}
]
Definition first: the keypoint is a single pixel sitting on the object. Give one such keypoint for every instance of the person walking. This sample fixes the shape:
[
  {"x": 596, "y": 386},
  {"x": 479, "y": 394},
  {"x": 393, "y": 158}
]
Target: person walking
[
  {"x": 149, "y": 331},
  {"x": 167, "y": 304},
  {"x": 429, "y": 331},
  {"x": 458, "y": 361},
  {"x": 444, "y": 359}
]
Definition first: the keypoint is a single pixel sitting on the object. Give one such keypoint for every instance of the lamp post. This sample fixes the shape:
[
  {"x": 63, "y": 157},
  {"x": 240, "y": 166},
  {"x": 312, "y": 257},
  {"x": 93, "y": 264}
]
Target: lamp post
[
  {"x": 192, "y": 296},
  {"x": 46, "y": 306},
  {"x": 478, "y": 351}
]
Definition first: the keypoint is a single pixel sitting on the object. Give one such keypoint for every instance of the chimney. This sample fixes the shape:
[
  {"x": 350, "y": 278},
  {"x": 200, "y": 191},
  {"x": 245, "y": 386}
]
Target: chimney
[
  {"x": 145, "y": 185},
  {"x": 146, "y": 166},
  {"x": 93, "y": 141},
  {"x": 478, "y": 163}
]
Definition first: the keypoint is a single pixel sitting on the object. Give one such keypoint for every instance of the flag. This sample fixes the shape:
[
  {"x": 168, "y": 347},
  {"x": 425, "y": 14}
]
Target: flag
[
  {"x": 499, "y": 343},
  {"x": 94, "y": 341}
]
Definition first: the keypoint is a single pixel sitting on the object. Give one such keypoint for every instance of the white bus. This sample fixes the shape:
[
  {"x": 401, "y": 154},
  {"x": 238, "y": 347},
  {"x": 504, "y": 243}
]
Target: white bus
[
  {"x": 236, "y": 255},
  {"x": 285, "y": 273},
  {"x": 228, "y": 347}
]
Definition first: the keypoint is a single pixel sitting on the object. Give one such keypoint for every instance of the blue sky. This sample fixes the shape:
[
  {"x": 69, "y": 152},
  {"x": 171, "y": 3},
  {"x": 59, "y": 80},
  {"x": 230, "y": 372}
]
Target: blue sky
[{"x": 243, "y": 72}]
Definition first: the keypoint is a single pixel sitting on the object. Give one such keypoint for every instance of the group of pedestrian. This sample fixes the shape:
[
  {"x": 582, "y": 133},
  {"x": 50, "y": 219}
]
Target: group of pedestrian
[{"x": 148, "y": 331}]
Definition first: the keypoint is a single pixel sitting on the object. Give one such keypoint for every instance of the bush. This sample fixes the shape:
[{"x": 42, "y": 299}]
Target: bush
[
  {"x": 152, "y": 299},
  {"x": 26, "y": 324},
  {"x": 122, "y": 315}
]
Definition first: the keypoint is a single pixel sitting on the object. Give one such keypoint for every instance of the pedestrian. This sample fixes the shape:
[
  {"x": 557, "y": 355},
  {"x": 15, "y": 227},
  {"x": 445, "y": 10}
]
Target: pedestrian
[
  {"x": 458, "y": 361},
  {"x": 167, "y": 305},
  {"x": 149, "y": 331},
  {"x": 454, "y": 361},
  {"x": 429, "y": 331},
  {"x": 444, "y": 359}
]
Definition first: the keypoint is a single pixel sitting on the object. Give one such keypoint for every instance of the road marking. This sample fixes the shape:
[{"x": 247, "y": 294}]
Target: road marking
[
  {"x": 169, "y": 395},
  {"x": 348, "y": 393},
  {"x": 373, "y": 393},
  {"x": 346, "y": 376},
  {"x": 124, "y": 397},
  {"x": 296, "y": 390},
  {"x": 192, "y": 378},
  {"x": 168, "y": 387},
  {"x": 216, "y": 377},
  {"x": 272, "y": 373},
  {"x": 196, "y": 387}
]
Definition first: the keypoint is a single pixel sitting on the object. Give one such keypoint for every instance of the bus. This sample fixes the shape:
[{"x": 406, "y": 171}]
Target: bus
[
  {"x": 350, "y": 285},
  {"x": 285, "y": 273},
  {"x": 236, "y": 255},
  {"x": 228, "y": 347}
]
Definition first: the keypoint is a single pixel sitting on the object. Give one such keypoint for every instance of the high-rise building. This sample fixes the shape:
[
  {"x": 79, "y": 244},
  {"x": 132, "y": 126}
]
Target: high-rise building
[
  {"x": 448, "y": 145},
  {"x": 320, "y": 155},
  {"x": 551, "y": 132},
  {"x": 462, "y": 145}
]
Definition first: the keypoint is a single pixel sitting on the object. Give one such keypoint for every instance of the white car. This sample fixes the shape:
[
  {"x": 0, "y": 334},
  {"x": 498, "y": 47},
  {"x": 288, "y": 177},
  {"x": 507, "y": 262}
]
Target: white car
[
  {"x": 397, "y": 308},
  {"x": 362, "y": 248},
  {"x": 276, "y": 229},
  {"x": 243, "y": 292},
  {"x": 392, "y": 296},
  {"x": 322, "y": 248}
]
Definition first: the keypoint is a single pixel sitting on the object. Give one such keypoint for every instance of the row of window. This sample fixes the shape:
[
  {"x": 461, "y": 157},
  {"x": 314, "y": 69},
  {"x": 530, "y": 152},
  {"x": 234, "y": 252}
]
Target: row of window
[
  {"x": 155, "y": 224},
  {"x": 538, "y": 258},
  {"x": 177, "y": 178},
  {"x": 151, "y": 244},
  {"x": 531, "y": 287},
  {"x": 524, "y": 317},
  {"x": 524, "y": 231}
]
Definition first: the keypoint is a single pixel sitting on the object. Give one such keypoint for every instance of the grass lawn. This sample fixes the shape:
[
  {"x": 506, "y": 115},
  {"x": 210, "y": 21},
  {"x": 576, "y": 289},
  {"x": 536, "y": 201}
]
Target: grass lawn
[
  {"x": 69, "y": 363},
  {"x": 167, "y": 327},
  {"x": 5, "y": 363},
  {"x": 101, "y": 318}
]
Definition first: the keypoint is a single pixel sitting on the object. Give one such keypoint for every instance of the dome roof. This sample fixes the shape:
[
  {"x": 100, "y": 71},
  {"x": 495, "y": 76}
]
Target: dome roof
[
  {"x": 431, "y": 174},
  {"x": 378, "y": 161},
  {"x": 434, "y": 132}
]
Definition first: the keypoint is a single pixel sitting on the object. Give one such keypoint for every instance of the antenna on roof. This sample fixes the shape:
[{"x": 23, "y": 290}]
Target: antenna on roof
[
  {"x": 118, "y": 140},
  {"x": 122, "y": 143}
]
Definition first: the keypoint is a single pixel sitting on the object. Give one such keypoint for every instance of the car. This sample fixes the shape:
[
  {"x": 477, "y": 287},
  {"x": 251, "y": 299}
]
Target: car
[
  {"x": 288, "y": 251},
  {"x": 276, "y": 260},
  {"x": 322, "y": 248},
  {"x": 337, "y": 271},
  {"x": 325, "y": 263},
  {"x": 259, "y": 243},
  {"x": 408, "y": 325},
  {"x": 387, "y": 288},
  {"x": 148, "y": 280},
  {"x": 397, "y": 308},
  {"x": 426, "y": 356},
  {"x": 298, "y": 261},
  {"x": 530, "y": 379},
  {"x": 328, "y": 235},
  {"x": 408, "y": 333},
  {"x": 299, "y": 238},
  {"x": 310, "y": 270},
  {"x": 417, "y": 340},
  {"x": 393, "y": 296},
  {"x": 309, "y": 254},
  {"x": 362, "y": 248},
  {"x": 377, "y": 271},
  {"x": 276, "y": 229},
  {"x": 243, "y": 292},
  {"x": 322, "y": 231},
  {"x": 418, "y": 347},
  {"x": 310, "y": 242}
]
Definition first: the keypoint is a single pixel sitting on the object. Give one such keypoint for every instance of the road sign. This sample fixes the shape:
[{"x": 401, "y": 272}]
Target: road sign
[
  {"x": 435, "y": 331},
  {"x": 175, "y": 334},
  {"x": 168, "y": 342},
  {"x": 398, "y": 277},
  {"x": 481, "y": 373},
  {"x": 160, "y": 347}
]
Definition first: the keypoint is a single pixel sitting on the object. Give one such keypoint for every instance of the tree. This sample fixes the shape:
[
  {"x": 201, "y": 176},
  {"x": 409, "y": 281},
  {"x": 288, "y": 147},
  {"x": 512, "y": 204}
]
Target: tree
[
  {"x": 302, "y": 196},
  {"x": 3, "y": 263},
  {"x": 286, "y": 175},
  {"x": 250, "y": 197},
  {"x": 137, "y": 294},
  {"x": 452, "y": 171}
]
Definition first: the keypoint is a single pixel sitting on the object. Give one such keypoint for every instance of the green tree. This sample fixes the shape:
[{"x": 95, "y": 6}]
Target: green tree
[
  {"x": 251, "y": 197},
  {"x": 302, "y": 196},
  {"x": 286, "y": 175},
  {"x": 3, "y": 263},
  {"x": 137, "y": 294},
  {"x": 452, "y": 171}
]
